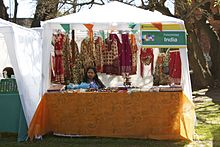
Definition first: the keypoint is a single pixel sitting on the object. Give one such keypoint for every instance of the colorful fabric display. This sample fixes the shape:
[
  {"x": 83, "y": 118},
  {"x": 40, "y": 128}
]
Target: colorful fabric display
[
  {"x": 86, "y": 53},
  {"x": 111, "y": 53},
  {"x": 175, "y": 67},
  {"x": 67, "y": 59},
  {"x": 160, "y": 77},
  {"x": 99, "y": 47},
  {"x": 146, "y": 58},
  {"x": 134, "y": 50},
  {"x": 126, "y": 57},
  {"x": 59, "y": 67}
]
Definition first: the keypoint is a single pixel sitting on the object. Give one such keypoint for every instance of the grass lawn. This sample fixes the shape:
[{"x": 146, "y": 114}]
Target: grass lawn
[
  {"x": 89, "y": 142},
  {"x": 207, "y": 130},
  {"x": 208, "y": 116}
]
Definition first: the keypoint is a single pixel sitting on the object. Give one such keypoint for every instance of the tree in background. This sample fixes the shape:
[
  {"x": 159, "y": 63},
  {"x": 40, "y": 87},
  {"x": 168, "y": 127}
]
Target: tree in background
[
  {"x": 48, "y": 9},
  {"x": 15, "y": 11},
  {"x": 45, "y": 9},
  {"x": 3, "y": 11}
]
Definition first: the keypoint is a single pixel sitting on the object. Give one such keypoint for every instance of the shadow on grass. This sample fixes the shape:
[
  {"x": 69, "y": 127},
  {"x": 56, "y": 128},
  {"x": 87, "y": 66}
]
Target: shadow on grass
[
  {"x": 54, "y": 141},
  {"x": 214, "y": 94},
  {"x": 216, "y": 137}
]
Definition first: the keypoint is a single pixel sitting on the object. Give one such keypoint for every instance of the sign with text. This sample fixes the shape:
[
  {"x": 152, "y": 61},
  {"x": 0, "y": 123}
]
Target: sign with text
[{"x": 168, "y": 37}]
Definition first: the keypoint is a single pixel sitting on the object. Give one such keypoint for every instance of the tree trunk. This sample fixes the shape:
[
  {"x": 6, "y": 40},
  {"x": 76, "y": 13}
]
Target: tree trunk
[
  {"x": 46, "y": 9},
  {"x": 3, "y": 11},
  {"x": 15, "y": 11},
  {"x": 214, "y": 53},
  {"x": 201, "y": 75}
]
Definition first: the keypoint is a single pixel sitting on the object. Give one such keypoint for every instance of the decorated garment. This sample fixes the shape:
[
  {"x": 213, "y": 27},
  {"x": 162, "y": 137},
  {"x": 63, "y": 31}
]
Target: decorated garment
[
  {"x": 67, "y": 59},
  {"x": 58, "y": 66},
  {"x": 134, "y": 49},
  {"x": 126, "y": 57},
  {"x": 86, "y": 53},
  {"x": 111, "y": 55},
  {"x": 175, "y": 67},
  {"x": 146, "y": 58},
  {"x": 116, "y": 48},
  {"x": 160, "y": 76},
  {"x": 77, "y": 65},
  {"x": 99, "y": 46}
]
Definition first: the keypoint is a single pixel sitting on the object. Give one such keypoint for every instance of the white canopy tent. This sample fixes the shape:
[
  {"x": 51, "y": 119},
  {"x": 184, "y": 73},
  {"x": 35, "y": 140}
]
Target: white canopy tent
[
  {"x": 21, "y": 48},
  {"x": 112, "y": 16}
]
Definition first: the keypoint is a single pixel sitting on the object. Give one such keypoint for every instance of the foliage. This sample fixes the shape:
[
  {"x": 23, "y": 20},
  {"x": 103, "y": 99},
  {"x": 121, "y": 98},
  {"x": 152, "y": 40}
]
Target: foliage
[{"x": 217, "y": 3}]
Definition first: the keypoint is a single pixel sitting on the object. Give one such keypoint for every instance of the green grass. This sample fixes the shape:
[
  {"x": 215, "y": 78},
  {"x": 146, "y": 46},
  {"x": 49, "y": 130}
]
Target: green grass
[
  {"x": 54, "y": 141},
  {"x": 208, "y": 117},
  {"x": 208, "y": 121}
]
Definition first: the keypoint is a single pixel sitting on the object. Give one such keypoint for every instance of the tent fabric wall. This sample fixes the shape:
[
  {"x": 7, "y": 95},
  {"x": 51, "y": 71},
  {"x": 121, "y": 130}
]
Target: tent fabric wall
[
  {"x": 185, "y": 80},
  {"x": 5, "y": 60},
  {"x": 25, "y": 53}
]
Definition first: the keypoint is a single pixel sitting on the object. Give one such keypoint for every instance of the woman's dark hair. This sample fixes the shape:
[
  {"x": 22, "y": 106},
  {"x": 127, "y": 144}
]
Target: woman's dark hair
[
  {"x": 9, "y": 71},
  {"x": 96, "y": 78}
]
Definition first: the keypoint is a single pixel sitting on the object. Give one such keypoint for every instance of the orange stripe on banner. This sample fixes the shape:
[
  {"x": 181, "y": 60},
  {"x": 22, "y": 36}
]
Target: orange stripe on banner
[{"x": 158, "y": 25}]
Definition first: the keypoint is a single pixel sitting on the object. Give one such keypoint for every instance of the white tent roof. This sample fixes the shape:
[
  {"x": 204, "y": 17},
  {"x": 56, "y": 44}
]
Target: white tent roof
[{"x": 113, "y": 13}]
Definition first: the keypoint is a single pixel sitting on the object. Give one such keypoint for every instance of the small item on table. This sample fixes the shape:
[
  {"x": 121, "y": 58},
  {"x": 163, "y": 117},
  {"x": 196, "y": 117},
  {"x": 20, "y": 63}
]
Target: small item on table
[
  {"x": 173, "y": 88},
  {"x": 56, "y": 88},
  {"x": 127, "y": 82}
]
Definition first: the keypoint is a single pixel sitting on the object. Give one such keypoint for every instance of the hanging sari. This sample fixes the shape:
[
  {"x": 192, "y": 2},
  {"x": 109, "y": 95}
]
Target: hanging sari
[
  {"x": 98, "y": 54},
  {"x": 146, "y": 58},
  {"x": 67, "y": 59},
  {"x": 134, "y": 49},
  {"x": 126, "y": 57},
  {"x": 86, "y": 53},
  {"x": 111, "y": 54},
  {"x": 175, "y": 67},
  {"x": 59, "y": 67}
]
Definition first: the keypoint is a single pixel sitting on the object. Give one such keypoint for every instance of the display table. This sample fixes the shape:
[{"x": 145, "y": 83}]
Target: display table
[
  {"x": 154, "y": 115},
  {"x": 12, "y": 118}
]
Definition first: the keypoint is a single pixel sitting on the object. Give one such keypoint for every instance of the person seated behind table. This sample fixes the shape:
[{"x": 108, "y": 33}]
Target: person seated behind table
[{"x": 91, "y": 78}]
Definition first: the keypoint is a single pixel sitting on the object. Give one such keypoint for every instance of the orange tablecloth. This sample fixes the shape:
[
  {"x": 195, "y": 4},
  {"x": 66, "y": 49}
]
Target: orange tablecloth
[{"x": 155, "y": 115}]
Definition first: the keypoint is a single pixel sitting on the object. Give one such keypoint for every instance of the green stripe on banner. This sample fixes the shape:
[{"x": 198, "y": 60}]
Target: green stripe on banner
[{"x": 66, "y": 27}]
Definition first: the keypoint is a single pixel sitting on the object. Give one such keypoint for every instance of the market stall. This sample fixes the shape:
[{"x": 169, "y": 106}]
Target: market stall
[
  {"x": 133, "y": 62},
  {"x": 21, "y": 50}
]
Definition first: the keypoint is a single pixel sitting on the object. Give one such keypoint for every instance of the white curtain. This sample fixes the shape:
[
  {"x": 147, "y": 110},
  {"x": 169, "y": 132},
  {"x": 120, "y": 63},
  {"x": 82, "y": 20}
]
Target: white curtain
[
  {"x": 25, "y": 51},
  {"x": 185, "y": 78},
  {"x": 47, "y": 46},
  {"x": 4, "y": 57}
]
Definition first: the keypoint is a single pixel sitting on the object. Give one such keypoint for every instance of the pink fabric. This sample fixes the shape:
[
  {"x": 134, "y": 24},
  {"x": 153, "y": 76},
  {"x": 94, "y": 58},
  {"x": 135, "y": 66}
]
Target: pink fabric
[
  {"x": 125, "y": 58},
  {"x": 175, "y": 65}
]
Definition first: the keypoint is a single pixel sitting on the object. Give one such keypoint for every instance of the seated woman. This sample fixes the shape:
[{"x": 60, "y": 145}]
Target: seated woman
[{"x": 91, "y": 78}]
